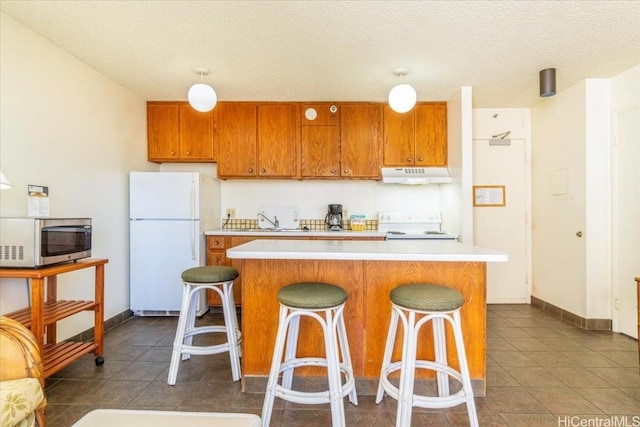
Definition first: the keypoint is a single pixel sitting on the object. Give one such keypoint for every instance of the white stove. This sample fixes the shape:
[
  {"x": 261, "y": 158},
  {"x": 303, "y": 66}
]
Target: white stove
[{"x": 404, "y": 226}]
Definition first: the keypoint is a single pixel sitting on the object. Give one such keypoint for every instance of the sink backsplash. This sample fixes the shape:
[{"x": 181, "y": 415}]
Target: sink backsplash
[{"x": 311, "y": 224}]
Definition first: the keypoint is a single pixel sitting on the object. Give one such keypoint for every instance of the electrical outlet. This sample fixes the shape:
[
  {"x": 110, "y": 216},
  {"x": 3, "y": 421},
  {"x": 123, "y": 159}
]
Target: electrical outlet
[
  {"x": 231, "y": 213},
  {"x": 345, "y": 213}
]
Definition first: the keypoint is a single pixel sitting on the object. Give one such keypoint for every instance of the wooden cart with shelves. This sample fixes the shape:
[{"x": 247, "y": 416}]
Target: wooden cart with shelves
[{"x": 43, "y": 314}]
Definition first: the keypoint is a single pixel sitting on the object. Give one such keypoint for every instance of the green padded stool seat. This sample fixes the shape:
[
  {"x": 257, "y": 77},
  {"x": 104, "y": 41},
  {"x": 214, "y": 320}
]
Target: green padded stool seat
[
  {"x": 312, "y": 295},
  {"x": 209, "y": 274},
  {"x": 323, "y": 303},
  {"x": 427, "y": 297}
]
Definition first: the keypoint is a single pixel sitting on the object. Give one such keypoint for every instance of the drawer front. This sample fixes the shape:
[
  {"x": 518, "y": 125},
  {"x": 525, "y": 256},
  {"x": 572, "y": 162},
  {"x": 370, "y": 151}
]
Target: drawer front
[
  {"x": 217, "y": 242},
  {"x": 216, "y": 258}
]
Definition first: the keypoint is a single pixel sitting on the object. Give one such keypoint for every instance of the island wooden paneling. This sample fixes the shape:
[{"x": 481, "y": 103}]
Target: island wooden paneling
[{"x": 367, "y": 310}]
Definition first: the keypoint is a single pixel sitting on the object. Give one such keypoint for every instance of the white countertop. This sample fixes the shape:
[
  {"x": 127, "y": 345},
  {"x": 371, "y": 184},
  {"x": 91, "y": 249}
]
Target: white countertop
[
  {"x": 294, "y": 233},
  {"x": 372, "y": 250}
]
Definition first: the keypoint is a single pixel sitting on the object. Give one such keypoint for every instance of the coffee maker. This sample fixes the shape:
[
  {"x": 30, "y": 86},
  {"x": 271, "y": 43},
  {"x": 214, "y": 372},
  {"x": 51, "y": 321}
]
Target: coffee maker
[{"x": 334, "y": 217}]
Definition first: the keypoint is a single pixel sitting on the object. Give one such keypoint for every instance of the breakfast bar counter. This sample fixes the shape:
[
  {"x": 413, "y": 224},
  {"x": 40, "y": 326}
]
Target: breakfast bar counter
[{"x": 367, "y": 270}]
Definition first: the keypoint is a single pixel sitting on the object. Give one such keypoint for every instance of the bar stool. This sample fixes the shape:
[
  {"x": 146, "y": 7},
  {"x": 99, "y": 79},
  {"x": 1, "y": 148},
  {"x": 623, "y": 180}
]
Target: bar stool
[
  {"x": 325, "y": 303},
  {"x": 219, "y": 279},
  {"x": 437, "y": 304}
]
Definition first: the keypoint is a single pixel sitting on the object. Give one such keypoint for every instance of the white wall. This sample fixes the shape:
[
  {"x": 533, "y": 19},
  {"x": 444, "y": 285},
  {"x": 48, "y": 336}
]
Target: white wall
[
  {"x": 559, "y": 256},
  {"x": 66, "y": 126},
  {"x": 598, "y": 199},
  {"x": 573, "y": 130}
]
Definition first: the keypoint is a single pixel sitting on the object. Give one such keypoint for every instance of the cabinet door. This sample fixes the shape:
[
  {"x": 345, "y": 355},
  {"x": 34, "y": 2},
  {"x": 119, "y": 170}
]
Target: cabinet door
[
  {"x": 360, "y": 140},
  {"x": 431, "y": 134},
  {"x": 320, "y": 140},
  {"x": 399, "y": 138},
  {"x": 320, "y": 151},
  {"x": 277, "y": 148},
  {"x": 237, "y": 143},
  {"x": 163, "y": 131},
  {"x": 196, "y": 134}
]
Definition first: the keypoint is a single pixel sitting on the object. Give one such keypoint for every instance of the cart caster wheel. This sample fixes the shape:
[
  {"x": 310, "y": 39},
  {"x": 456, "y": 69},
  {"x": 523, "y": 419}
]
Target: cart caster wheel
[{"x": 99, "y": 361}]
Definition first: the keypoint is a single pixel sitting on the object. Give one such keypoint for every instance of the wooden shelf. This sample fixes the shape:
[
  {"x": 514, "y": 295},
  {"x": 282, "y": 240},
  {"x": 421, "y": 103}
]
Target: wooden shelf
[
  {"x": 53, "y": 311},
  {"x": 46, "y": 310},
  {"x": 58, "y": 356}
]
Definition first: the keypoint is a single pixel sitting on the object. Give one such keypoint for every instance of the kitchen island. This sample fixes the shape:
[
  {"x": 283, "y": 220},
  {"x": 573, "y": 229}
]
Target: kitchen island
[{"x": 367, "y": 270}]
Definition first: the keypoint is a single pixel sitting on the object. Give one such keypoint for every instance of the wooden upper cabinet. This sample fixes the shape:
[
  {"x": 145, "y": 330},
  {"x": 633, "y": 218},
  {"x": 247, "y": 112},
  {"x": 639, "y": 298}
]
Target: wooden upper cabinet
[
  {"x": 277, "y": 141},
  {"x": 320, "y": 140},
  {"x": 416, "y": 138},
  {"x": 361, "y": 140},
  {"x": 196, "y": 134},
  {"x": 431, "y": 134},
  {"x": 178, "y": 133},
  {"x": 163, "y": 131},
  {"x": 237, "y": 139},
  {"x": 257, "y": 140}
]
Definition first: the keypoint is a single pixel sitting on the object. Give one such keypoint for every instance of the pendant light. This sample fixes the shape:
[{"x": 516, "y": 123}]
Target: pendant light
[
  {"x": 4, "y": 182},
  {"x": 548, "y": 82},
  {"x": 402, "y": 97},
  {"x": 201, "y": 96}
]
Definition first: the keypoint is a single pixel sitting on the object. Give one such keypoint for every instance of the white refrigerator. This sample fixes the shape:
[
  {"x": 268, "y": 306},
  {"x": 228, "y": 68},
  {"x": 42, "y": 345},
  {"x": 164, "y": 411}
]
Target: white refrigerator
[{"x": 168, "y": 214}]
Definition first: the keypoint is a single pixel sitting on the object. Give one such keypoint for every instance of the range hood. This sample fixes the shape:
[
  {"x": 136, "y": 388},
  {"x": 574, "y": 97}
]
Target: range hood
[{"x": 416, "y": 175}]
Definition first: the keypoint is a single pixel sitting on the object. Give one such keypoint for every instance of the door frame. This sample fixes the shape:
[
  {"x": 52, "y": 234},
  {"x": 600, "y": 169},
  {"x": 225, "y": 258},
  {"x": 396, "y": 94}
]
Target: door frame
[{"x": 616, "y": 282}]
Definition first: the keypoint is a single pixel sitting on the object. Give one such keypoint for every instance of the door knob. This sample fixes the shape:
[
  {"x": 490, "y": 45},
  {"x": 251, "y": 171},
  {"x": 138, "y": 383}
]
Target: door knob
[{"x": 579, "y": 234}]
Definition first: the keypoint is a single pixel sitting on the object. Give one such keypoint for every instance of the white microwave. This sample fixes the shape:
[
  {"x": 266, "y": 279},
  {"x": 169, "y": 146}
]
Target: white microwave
[{"x": 37, "y": 242}]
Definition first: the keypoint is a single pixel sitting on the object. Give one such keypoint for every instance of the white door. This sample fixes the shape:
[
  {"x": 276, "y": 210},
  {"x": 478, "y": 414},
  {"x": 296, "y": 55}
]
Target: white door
[
  {"x": 626, "y": 226},
  {"x": 503, "y": 228}
]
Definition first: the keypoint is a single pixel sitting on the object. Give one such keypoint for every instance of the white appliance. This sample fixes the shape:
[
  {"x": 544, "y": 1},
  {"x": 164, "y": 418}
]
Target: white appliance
[
  {"x": 416, "y": 175},
  {"x": 168, "y": 214},
  {"x": 404, "y": 226}
]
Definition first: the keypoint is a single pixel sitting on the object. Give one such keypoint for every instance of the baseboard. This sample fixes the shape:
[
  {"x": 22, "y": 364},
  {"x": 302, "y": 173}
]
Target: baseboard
[
  {"x": 574, "y": 319},
  {"x": 110, "y": 323}
]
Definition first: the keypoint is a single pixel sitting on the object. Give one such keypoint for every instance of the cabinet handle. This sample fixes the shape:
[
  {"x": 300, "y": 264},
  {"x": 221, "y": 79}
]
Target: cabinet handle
[
  {"x": 409, "y": 159},
  {"x": 173, "y": 153},
  {"x": 333, "y": 170},
  {"x": 188, "y": 153},
  {"x": 263, "y": 170},
  {"x": 420, "y": 159},
  {"x": 216, "y": 260},
  {"x": 216, "y": 242},
  {"x": 250, "y": 170},
  {"x": 346, "y": 171}
]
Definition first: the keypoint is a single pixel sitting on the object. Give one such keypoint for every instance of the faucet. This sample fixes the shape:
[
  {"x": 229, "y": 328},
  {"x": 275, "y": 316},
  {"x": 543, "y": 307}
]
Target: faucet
[{"x": 275, "y": 222}]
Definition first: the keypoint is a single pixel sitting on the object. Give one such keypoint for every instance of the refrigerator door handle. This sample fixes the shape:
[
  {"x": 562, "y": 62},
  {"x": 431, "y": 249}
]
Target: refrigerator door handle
[{"x": 193, "y": 221}]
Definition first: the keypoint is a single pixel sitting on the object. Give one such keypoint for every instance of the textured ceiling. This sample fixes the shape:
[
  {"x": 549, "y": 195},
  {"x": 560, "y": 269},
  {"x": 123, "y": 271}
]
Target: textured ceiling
[{"x": 342, "y": 50}]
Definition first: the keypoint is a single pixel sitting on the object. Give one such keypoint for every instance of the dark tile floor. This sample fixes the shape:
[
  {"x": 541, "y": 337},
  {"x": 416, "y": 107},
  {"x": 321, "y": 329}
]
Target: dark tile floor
[{"x": 541, "y": 371}]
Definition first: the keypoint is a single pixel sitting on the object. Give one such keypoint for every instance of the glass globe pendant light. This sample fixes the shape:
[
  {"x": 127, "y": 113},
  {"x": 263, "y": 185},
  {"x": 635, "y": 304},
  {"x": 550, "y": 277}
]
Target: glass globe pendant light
[
  {"x": 402, "y": 97},
  {"x": 201, "y": 96}
]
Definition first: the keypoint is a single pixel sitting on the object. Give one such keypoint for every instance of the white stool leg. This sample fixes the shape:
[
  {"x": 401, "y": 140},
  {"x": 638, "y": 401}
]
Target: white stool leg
[
  {"x": 272, "y": 383},
  {"x": 229, "y": 314},
  {"x": 407, "y": 372},
  {"x": 464, "y": 370},
  {"x": 346, "y": 355},
  {"x": 291, "y": 349},
  {"x": 193, "y": 298},
  {"x": 440, "y": 350},
  {"x": 234, "y": 317},
  {"x": 333, "y": 370},
  {"x": 388, "y": 350},
  {"x": 179, "y": 338}
]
